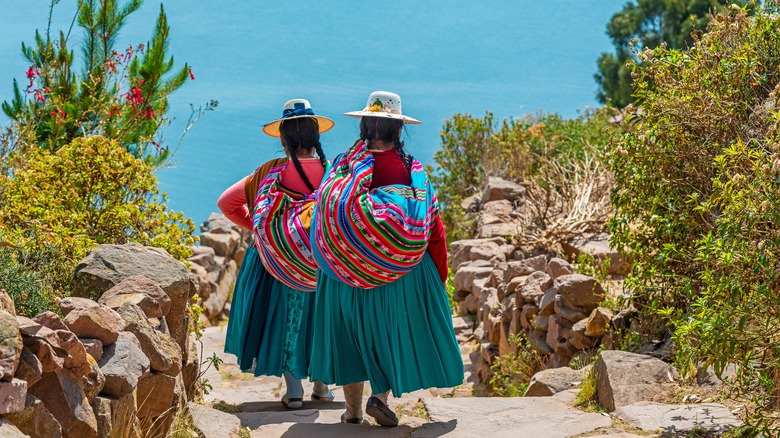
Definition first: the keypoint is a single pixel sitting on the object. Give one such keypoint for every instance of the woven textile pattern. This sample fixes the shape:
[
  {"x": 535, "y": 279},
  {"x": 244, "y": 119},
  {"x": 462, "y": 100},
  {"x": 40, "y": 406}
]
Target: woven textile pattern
[
  {"x": 369, "y": 238},
  {"x": 281, "y": 228}
]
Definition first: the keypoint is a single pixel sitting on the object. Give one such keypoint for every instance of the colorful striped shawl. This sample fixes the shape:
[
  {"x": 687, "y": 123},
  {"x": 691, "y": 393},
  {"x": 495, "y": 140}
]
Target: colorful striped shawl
[
  {"x": 368, "y": 238},
  {"x": 281, "y": 228}
]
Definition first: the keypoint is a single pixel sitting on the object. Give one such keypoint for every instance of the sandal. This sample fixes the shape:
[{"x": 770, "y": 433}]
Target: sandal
[{"x": 292, "y": 402}]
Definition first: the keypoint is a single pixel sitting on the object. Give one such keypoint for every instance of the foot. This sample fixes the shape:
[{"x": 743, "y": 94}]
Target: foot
[
  {"x": 292, "y": 402},
  {"x": 346, "y": 420},
  {"x": 322, "y": 393},
  {"x": 381, "y": 412}
]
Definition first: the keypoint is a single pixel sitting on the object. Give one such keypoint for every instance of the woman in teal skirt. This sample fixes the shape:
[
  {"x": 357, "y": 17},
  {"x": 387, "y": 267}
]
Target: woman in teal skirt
[
  {"x": 269, "y": 327},
  {"x": 381, "y": 317}
]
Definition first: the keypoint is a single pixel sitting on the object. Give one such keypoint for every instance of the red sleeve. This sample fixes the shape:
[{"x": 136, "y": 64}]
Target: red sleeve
[
  {"x": 232, "y": 203},
  {"x": 437, "y": 247}
]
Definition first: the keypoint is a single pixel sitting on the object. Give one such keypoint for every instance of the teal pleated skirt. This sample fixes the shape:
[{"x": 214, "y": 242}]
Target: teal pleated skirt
[
  {"x": 398, "y": 336},
  {"x": 269, "y": 327}
]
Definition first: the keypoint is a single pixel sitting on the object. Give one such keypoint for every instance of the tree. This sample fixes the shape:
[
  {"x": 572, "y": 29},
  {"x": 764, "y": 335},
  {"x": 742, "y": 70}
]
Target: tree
[
  {"x": 119, "y": 94},
  {"x": 649, "y": 23}
]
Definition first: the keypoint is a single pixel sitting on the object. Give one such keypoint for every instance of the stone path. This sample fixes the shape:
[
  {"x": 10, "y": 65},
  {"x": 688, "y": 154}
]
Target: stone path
[{"x": 252, "y": 405}]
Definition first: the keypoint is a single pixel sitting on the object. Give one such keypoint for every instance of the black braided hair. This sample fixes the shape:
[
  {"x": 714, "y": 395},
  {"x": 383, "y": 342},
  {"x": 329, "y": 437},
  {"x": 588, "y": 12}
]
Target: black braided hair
[
  {"x": 302, "y": 133},
  {"x": 386, "y": 129}
]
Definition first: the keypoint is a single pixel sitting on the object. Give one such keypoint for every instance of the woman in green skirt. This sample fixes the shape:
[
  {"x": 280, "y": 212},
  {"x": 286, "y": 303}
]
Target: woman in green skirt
[
  {"x": 381, "y": 313},
  {"x": 269, "y": 327}
]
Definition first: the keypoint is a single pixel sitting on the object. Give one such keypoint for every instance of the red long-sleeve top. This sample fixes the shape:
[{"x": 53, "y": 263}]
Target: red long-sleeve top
[{"x": 389, "y": 168}]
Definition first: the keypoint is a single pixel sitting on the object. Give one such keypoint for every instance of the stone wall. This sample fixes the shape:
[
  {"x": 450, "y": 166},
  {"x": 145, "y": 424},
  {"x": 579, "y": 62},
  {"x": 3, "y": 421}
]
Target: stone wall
[
  {"x": 215, "y": 263},
  {"x": 120, "y": 360},
  {"x": 535, "y": 295}
]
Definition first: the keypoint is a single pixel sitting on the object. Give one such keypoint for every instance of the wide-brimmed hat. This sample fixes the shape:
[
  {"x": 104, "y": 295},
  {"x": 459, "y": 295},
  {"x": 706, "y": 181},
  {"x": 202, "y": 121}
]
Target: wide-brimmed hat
[
  {"x": 296, "y": 109},
  {"x": 383, "y": 104}
]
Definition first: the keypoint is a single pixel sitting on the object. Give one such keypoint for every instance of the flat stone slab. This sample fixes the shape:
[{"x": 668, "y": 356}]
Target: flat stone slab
[
  {"x": 649, "y": 416},
  {"x": 212, "y": 423},
  {"x": 504, "y": 417}
]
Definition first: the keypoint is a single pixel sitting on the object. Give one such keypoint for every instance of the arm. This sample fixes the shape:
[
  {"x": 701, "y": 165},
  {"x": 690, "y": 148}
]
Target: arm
[
  {"x": 437, "y": 247},
  {"x": 232, "y": 203}
]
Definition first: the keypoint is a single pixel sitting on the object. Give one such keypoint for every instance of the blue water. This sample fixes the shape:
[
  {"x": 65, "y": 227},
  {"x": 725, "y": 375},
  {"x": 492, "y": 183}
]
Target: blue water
[{"x": 511, "y": 57}]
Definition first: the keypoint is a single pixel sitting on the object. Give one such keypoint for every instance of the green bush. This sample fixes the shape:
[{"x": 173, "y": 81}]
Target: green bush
[
  {"x": 29, "y": 291},
  {"x": 59, "y": 205},
  {"x": 698, "y": 201}
]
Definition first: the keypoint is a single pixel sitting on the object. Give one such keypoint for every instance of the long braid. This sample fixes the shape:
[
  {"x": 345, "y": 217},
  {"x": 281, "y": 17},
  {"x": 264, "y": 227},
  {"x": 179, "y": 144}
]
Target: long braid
[
  {"x": 294, "y": 140},
  {"x": 406, "y": 158},
  {"x": 321, "y": 154}
]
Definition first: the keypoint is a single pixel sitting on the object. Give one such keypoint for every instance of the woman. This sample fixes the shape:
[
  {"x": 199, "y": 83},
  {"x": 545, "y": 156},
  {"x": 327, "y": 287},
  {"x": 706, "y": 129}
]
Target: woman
[
  {"x": 381, "y": 311},
  {"x": 269, "y": 329}
]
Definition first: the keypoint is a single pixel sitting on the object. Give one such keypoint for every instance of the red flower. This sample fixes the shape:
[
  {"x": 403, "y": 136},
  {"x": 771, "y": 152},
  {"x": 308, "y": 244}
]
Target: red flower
[
  {"x": 114, "y": 111},
  {"x": 31, "y": 74},
  {"x": 149, "y": 113},
  {"x": 192, "y": 76},
  {"x": 134, "y": 96},
  {"x": 39, "y": 96}
]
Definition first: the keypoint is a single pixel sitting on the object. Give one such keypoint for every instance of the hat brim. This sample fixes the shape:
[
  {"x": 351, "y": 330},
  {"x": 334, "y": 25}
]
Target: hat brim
[
  {"x": 406, "y": 119},
  {"x": 272, "y": 128}
]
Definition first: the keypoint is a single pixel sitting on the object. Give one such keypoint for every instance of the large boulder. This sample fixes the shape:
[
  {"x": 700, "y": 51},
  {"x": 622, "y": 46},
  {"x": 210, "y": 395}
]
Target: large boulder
[
  {"x": 468, "y": 274},
  {"x": 557, "y": 267},
  {"x": 705, "y": 419},
  {"x": 224, "y": 244},
  {"x": 30, "y": 368},
  {"x": 35, "y": 420},
  {"x": 98, "y": 322},
  {"x": 10, "y": 345},
  {"x": 62, "y": 394},
  {"x": 551, "y": 381},
  {"x": 211, "y": 423},
  {"x": 535, "y": 286},
  {"x": 625, "y": 378},
  {"x": 140, "y": 291},
  {"x": 163, "y": 352},
  {"x": 43, "y": 343},
  {"x": 123, "y": 363},
  {"x": 107, "y": 265},
  {"x": 70, "y": 304},
  {"x": 116, "y": 416}
]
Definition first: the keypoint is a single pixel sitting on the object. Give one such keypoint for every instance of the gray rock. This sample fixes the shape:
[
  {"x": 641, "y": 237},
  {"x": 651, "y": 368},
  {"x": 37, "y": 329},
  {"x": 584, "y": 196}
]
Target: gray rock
[
  {"x": 558, "y": 267},
  {"x": 123, "y": 363},
  {"x": 218, "y": 223},
  {"x": 461, "y": 251},
  {"x": 551, "y": 381},
  {"x": 598, "y": 321},
  {"x": 142, "y": 292},
  {"x": 93, "y": 347},
  {"x": 98, "y": 322},
  {"x": 546, "y": 303},
  {"x": 30, "y": 368},
  {"x": 35, "y": 420},
  {"x": 163, "y": 352},
  {"x": 12, "y": 395},
  {"x": 677, "y": 419},
  {"x": 155, "y": 394},
  {"x": 499, "y": 188},
  {"x": 62, "y": 395},
  {"x": 108, "y": 265},
  {"x": 191, "y": 368},
  {"x": 116, "y": 414},
  {"x": 69, "y": 304},
  {"x": 466, "y": 275},
  {"x": 535, "y": 286},
  {"x": 579, "y": 292},
  {"x": 538, "y": 263},
  {"x": 211, "y": 423},
  {"x": 625, "y": 378},
  {"x": 507, "y": 417},
  {"x": 224, "y": 244},
  {"x": 10, "y": 345},
  {"x": 538, "y": 340},
  {"x": 571, "y": 315}
]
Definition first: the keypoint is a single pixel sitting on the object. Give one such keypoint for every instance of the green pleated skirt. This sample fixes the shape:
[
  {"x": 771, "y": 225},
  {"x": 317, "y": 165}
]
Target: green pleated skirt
[
  {"x": 398, "y": 336},
  {"x": 269, "y": 327}
]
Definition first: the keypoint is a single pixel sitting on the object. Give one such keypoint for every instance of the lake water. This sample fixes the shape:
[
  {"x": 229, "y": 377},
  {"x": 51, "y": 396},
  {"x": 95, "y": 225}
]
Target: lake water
[{"x": 511, "y": 57}]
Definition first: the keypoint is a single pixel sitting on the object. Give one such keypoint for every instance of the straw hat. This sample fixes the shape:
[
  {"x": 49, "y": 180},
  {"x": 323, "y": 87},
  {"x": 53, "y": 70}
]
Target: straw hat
[
  {"x": 383, "y": 104},
  {"x": 296, "y": 109}
]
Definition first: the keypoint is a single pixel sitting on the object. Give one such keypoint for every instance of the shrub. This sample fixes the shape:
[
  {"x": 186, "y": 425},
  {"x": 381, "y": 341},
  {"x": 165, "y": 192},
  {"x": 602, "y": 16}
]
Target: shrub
[
  {"x": 698, "y": 200},
  {"x": 27, "y": 288},
  {"x": 559, "y": 158},
  {"x": 511, "y": 373},
  {"x": 59, "y": 205}
]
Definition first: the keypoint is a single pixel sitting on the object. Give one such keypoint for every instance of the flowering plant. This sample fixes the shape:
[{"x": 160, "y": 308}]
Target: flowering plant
[{"x": 119, "y": 94}]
